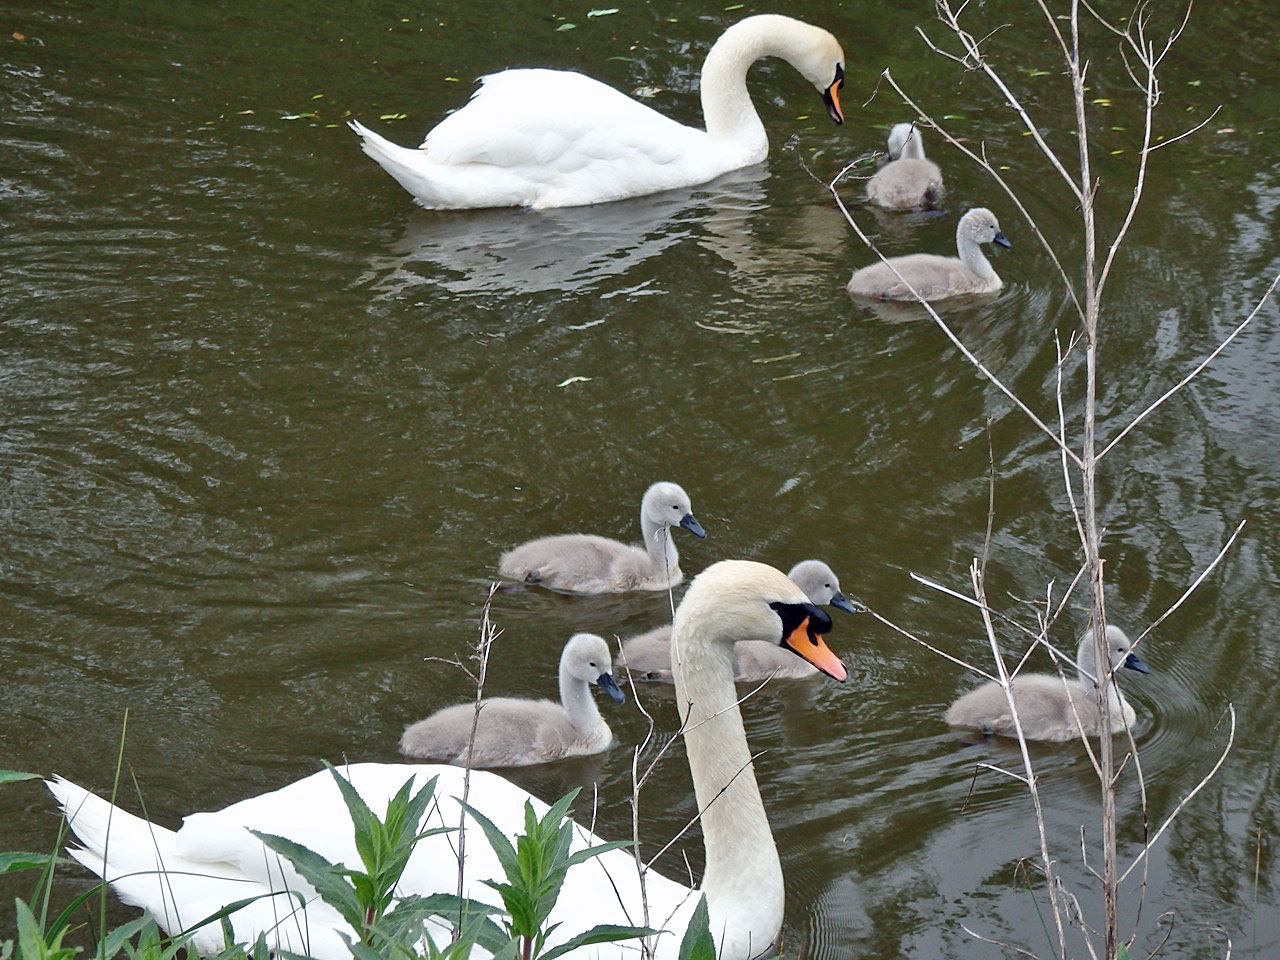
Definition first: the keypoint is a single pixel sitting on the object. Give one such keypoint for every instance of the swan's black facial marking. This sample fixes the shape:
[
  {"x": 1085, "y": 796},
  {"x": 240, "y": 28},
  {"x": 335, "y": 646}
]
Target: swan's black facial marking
[
  {"x": 795, "y": 614},
  {"x": 831, "y": 96},
  {"x": 803, "y": 625}
]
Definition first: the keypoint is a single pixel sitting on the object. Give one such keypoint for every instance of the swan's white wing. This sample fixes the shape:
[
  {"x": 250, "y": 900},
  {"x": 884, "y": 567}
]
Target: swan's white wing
[
  {"x": 311, "y": 812},
  {"x": 557, "y": 121}
]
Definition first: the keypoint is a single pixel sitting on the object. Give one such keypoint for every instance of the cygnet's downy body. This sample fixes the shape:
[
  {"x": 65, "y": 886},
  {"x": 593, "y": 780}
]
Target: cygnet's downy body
[
  {"x": 934, "y": 277},
  {"x": 584, "y": 563},
  {"x": 1049, "y": 707},
  {"x": 512, "y": 732},
  {"x": 647, "y": 656},
  {"x": 908, "y": 181}
]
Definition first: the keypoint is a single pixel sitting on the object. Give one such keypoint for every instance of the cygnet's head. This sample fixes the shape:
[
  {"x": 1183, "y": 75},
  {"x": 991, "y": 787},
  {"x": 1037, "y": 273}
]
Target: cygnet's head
[
  {"x": 667, "y": 505},
  {"x": 586, "y": 657},
  {"x": 1120, "y": 648},
  {"x": 904, "y": 141},
  {"x": 980, "y": 225},
  {"x": 743, "y": 600},
  {"x": 819, "y": 583}
]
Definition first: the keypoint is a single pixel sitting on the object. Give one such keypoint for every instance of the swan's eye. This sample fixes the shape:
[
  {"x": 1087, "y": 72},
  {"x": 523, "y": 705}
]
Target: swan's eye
[{"x": 593, "y": 666}]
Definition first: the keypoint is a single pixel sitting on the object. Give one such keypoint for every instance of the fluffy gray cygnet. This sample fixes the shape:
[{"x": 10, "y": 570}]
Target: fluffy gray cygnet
[
  {"x": 584, "y": 563},
  {"x": 1048, "y": 707},
  {"x": 908, "y": 180},
  {"x": 934, "y": 277},
  {"x": 512, "y": 732}
]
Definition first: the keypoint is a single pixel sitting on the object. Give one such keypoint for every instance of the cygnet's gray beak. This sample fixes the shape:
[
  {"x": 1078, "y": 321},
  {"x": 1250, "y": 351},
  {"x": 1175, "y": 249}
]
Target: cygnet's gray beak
[
  {"x": 690, "y": 523},
  {"x": 844, "y": 603},
  {"x": 1001, "y": 239},
  {"x": 610, "y": 686},
  {"x": 1135, "y": 662}
]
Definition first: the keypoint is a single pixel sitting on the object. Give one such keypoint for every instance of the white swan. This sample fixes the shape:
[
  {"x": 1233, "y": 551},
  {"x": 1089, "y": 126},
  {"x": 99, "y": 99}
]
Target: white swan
[
  {"x": 555, "y": 138},
  {"x": 908, "y": 180},
  {"x": 513, "y": 732},
  {"x": 212, "y": 860},
  {"x": 647, "y": 656},
  {"x": 1048, "y": 708},
  {"x": 934, "y": 277},
  {"x": 584, "y": 563}
]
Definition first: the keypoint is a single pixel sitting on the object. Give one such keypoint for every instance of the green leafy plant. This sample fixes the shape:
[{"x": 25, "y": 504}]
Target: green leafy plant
[
  {"x": 365, "y": 897},
  {"x": 535, "y": 867},
  {"x": 698, "y": 943}
]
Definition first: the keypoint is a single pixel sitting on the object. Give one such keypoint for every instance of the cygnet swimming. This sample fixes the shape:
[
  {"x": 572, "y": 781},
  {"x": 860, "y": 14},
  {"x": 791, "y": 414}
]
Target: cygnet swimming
[
  {"x": 934, "y": 277},
  {"x": 512, "y": 732},
  {"x": 1048, "y": 707},
  {"x": 584, "y": 563},
  {"x": 908, "y": 180}
]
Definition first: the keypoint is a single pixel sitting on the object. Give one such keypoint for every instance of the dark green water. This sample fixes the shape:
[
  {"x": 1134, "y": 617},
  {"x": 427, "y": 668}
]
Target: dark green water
[{"x": 265, "y": 428}]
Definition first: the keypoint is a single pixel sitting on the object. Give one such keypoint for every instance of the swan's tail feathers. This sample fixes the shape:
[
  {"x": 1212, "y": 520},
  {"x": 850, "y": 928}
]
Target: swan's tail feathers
[{"x": 404, "y": 164}]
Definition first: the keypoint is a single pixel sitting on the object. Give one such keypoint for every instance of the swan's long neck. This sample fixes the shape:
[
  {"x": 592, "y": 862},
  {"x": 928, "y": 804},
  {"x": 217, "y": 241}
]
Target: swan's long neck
[
  {"x": 1090, "y": 677},
  {"x": 913, "y": 148},
  {"x": 743, "y": 879},
  {"x": 661, "y": 546},
  {"x": 726, "y": 106},
  {"x": 971, "y": 254},
  {"x": 578, "y": 703}
]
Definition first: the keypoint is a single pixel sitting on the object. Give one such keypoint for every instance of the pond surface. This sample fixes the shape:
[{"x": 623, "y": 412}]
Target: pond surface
[{"x": 267, "y": 427}]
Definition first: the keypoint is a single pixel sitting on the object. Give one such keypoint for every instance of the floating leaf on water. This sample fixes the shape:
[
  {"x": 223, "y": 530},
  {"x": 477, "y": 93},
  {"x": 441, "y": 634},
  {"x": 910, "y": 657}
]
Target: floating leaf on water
[
  {"x": 1227, "y": 130},
  {"x": 299, "y": 116},
  {"x": 566, "y": 26},
  {"x": 1116, "y": 152},
  {"x": 1037, "y": 73},
  {"x": 735, "y": 6},
  {"x": 954, "y": 116},
  {"x": 404, "y": 19},
  {"x": 1005, "y": 167},
  {"x": 317, "y": 96},
  {"x": 1118, "y": 129},
  {"x": 565, "y": 383},
  {"x": 646, "y": 92},
  {"x": 1193, "y": 83},
  {"x": 604, "y": 12},
  {"x": 1101, "y": 101},
  {"x": 19, "y": 36},
  {"x": 803, "y": 116},
  {"x": 393, "y": 116},
  {"x": 243, "y": 113},
  {"x": 453, "y": 79}
]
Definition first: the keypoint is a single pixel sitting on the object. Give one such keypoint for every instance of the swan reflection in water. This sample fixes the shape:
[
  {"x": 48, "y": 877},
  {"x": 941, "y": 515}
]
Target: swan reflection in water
[{"x": 574, "y": 249}]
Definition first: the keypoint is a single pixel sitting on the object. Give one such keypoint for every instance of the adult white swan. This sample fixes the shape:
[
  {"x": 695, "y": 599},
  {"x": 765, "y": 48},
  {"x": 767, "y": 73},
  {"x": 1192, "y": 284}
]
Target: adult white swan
[
  {"x": 212, "y": 860},
  {"x": 556, "y": 138}
]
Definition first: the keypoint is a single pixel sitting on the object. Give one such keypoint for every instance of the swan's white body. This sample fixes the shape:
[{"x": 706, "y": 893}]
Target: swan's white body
[
  {"x": 1050, "y": 708},
  {"x": 934, "y": 277},
  {"x": 908, "y": 180},
  {"x": 213, "y": 859},
  {"x": 514, "y": 732},
  {"x": 585, "y": 563},
  {"x": 647, "y": 656},
  {"x": 556, "y": 138}
]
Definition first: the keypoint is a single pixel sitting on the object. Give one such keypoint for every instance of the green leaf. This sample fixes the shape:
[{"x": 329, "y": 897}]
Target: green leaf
[
  {"x": 602, "y": 13},
  {"x": 12, "y": 861},
  {"x": 1122, "y": 952},
  {"x": 13, "y": 776},
  {"x": 321, "y": 874},
  {"x": 502, "y": 848},
  {"x": 595, "y": 851},
  {"x": 566, "y": 26},
  {"x": 114, "y": 941},
  {"x": 698, "y": 943},
  {"x": 603, "y": 933}
]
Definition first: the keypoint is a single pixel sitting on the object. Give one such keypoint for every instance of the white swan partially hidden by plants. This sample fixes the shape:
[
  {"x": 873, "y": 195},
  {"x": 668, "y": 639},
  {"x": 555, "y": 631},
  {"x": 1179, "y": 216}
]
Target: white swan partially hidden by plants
[
  {"x": 213, "y": 860},
  {"x": 556, "y": 138}
]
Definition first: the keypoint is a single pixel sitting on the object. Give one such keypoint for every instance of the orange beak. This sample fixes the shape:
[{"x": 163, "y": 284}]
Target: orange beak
[
  {"x": 831, "y": 97},
  {"x": 813, "y": 648}
]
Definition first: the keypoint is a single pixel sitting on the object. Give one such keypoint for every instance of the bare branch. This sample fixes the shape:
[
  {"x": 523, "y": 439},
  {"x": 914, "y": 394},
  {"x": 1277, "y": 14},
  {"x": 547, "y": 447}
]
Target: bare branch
[{"x": 1199, "y": 367}]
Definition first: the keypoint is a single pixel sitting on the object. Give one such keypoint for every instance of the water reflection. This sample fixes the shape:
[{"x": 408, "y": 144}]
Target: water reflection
[{"x": 518, "y": 252}]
